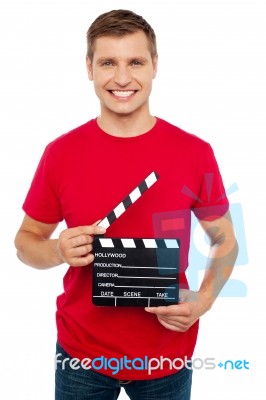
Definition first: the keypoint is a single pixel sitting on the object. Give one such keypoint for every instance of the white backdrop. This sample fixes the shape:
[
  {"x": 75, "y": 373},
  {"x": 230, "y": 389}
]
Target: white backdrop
[{"x": 211, "y": 82}]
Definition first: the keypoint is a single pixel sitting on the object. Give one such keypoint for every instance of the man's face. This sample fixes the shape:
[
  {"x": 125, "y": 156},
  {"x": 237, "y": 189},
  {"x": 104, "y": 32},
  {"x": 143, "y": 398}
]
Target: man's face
[{"x": 122, "y": 70}]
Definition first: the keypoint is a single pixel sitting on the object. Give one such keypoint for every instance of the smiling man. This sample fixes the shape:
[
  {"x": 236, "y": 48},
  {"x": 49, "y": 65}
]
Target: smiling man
[
  {"x": 84, "y": 174},
  {"x": 122, "y": 69}
]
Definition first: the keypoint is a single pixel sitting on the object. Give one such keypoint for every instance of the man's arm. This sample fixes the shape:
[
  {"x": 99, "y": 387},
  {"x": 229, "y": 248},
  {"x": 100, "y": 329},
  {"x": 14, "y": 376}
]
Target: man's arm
[
  {"x": 193, "y": 305},
  {"x": 36, "y": 248}
]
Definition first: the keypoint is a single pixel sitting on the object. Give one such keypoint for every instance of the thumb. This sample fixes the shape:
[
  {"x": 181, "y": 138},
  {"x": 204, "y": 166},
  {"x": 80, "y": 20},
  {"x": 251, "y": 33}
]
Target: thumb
[{"x": 96, "y": 223}]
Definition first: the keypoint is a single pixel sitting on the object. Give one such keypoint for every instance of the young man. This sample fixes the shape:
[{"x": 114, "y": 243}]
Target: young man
[{"x": 81, "y": 177}]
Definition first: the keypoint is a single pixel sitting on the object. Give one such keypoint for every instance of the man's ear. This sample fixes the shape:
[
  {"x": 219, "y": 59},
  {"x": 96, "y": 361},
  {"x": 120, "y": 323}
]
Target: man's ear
[
  {"x": 155, "y": 65},
  {"x": 89, "y": 68}
]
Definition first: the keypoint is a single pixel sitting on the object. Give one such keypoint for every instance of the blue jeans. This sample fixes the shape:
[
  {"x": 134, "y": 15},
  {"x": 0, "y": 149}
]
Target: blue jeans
[{"x": 86, "y": 384}]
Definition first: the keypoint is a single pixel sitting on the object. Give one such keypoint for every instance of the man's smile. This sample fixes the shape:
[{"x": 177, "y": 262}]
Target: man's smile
[{"x": 123, "y": 93}]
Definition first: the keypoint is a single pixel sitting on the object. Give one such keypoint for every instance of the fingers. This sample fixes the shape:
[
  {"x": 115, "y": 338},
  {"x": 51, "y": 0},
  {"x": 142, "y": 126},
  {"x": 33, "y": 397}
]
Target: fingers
[
  {"x": 74, "y": 245},
  {"x": 83, "y": 230},
  {"x": 180, "y": 321},
  {"x": 168, "y": 310},
  {"x": 176, "y": 326},
  {"x": 178, "y": 317},
  {"x": 182, "y": 308}
]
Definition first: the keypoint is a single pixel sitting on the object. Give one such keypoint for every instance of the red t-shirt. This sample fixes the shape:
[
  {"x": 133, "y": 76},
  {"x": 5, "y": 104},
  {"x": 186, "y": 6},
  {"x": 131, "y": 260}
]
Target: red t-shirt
[{"x": 81, "y": 177}]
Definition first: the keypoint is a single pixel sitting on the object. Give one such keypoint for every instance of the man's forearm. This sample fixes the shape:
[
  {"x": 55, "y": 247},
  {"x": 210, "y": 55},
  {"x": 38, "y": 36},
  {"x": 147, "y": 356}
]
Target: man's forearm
[
  {"x": 220, "y": 266},
  {"x": 36, "y": 251}
]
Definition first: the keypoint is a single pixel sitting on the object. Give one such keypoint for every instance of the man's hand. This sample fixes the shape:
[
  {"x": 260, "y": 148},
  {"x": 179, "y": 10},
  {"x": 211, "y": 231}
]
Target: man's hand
[
  {"x": 182, "y": 316},
  {"x": 36, "y": 248},
  {"x": 74, "y": 245}
]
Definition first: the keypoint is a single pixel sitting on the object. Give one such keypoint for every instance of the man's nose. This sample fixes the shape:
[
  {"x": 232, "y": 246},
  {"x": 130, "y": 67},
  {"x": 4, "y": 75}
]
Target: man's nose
[{"x": 122, "y": 76}]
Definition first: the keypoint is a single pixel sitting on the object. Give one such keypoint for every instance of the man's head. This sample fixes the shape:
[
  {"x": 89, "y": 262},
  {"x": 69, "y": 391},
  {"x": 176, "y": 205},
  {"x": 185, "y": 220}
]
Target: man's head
[
  {"x": 122, "y": 63},
  {"x": 119, "y": 23}
]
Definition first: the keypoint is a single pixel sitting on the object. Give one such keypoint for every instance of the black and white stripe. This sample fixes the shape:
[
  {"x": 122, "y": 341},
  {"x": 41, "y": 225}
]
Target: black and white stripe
[
  {"x": 136, "y": 243},
  {"x": 130, "y": 199}
]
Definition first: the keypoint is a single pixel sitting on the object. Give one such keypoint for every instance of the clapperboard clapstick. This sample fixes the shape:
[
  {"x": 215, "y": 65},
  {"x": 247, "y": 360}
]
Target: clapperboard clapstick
[
  {"x": 129, "y": 200},
  {"x": 134, "y": 272}
]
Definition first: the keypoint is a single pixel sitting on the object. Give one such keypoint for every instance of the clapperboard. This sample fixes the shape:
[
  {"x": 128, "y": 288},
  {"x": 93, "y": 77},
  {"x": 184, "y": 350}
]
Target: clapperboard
[{"x": 134, "y": 271}]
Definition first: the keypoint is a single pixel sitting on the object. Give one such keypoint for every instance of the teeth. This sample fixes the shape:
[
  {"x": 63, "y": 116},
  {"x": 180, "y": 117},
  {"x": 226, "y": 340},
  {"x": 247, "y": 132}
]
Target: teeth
[{"x": 123, "y": 93}]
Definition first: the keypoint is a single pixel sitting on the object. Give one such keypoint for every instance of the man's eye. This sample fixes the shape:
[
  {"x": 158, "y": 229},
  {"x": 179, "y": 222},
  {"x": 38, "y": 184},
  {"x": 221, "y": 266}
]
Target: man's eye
[
  {"x": 107, "y": 64},
  {"x": 136, "y": 62}
]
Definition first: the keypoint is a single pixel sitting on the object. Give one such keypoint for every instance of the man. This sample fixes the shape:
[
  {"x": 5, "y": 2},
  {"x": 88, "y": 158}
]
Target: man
[{"x": 81, "y": 177}]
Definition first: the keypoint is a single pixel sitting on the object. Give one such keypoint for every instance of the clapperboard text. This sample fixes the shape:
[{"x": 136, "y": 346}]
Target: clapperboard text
[
  {"x": 117, "y": 255},
  {"x": 135, "y": 272}
]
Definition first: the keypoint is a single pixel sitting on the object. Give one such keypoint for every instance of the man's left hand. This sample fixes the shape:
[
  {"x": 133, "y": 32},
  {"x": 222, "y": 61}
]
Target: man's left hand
[{"x": 180, "y": 317}]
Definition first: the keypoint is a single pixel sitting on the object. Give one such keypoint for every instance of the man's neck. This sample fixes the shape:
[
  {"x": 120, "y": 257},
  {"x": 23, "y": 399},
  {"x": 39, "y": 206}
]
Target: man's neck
[{"x": 126, "y": 125}]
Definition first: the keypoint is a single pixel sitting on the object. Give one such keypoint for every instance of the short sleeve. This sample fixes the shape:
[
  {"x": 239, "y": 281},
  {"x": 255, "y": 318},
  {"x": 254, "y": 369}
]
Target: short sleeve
[
  {"x": 212, "y": 202},
  {"x": 42, "y": 201}
]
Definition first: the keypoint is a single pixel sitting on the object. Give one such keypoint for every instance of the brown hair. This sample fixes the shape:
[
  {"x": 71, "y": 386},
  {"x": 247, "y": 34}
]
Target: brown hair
[{"x": 119, "y": 23}]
